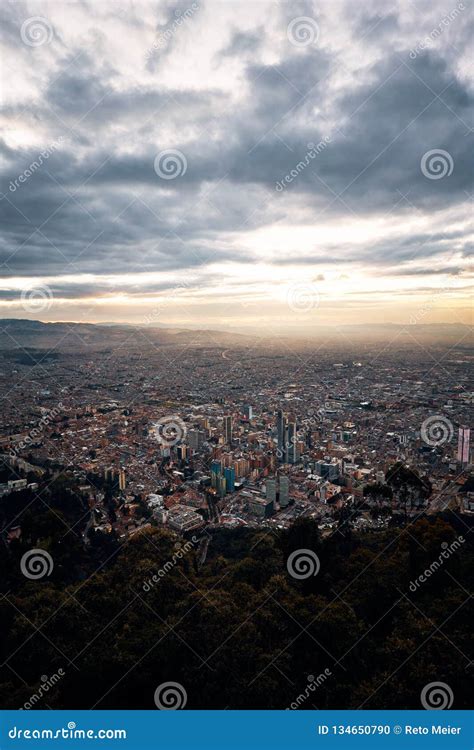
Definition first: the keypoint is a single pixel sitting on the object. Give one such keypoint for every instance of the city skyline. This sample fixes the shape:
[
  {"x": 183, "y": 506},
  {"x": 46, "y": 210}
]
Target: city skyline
[
  {"x": 236, "y": 463},
  {"x": 234, "y": 166}
]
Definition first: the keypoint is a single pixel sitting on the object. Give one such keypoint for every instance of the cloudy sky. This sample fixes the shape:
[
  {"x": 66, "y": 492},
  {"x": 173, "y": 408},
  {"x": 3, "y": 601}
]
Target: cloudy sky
[{"x": 234, "y": 164}]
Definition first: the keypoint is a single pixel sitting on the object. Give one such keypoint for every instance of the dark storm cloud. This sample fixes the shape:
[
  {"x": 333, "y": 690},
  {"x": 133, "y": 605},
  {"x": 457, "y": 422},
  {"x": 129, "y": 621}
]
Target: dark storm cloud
[
  {"x": 384, "y": 129},
  {"x": 98, "y": 206}
]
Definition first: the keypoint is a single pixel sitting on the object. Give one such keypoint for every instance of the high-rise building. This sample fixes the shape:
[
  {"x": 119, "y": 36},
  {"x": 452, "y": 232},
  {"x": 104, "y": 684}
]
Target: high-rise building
[
  {"x": 229, "y": 475},
  {"x": 228, "y": 429},
  {"x": 221, "y": 485},
  {"x": 284, "y": 491},
  {"x": 216, "y": 472},
  {"x": 242, "y": 467},
  {"x": 261, "y": 507},
  {"x": 248, "y": 412},
  {"x": 182, "y": 452},
  {"x": 122, "y": 480},
  {"x": 291, "y": 446},
  {"x": 196, "y": 439},
  {"x": 216, "y": 466},
  {"x": 270, "y": 489},
  {"x": 464, "y": 437},
  {"x": 281, "y": 430}
]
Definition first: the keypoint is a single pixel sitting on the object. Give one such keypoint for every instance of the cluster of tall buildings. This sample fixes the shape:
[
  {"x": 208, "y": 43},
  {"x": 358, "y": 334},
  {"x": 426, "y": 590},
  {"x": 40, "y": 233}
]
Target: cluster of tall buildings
[
  {"x": 222, "y": 477},
  {"x": 111, "y": 474},
  {"x": 277, "y": 490},
  {"x": 287, "y": 450},
  {"x": 464, "y": 436}
]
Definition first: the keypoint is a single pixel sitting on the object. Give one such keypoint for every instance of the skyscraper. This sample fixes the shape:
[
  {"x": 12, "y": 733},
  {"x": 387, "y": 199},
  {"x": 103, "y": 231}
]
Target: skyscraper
[
  {"x": 122, "y": 480},
  {"x": 228, "y": 429},
  {"x": 229, "y": 474},
  {"x": 216, "y": 466},
  {"x": 281, "y": 429},
  {"x": 284, "y": 490},
  {"x": 270, "y": 489},
  {"x": 196, "y": 439},
  {"x": 182, "y": 452},
  {"x": 221, "y": 485},
  {"x": 463, "y": 445},
  {"x": 248, "y": 412},
  {"x": 291, "y": 453}
]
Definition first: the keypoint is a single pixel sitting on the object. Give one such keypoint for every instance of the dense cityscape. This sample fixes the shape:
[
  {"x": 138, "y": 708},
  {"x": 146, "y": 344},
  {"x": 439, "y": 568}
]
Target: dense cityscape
[{"x": 209, "y": 437}]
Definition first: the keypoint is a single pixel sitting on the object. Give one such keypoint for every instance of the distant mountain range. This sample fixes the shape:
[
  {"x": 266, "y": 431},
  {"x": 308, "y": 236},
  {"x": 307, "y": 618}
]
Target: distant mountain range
[{"x": 21, "y": 333}]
